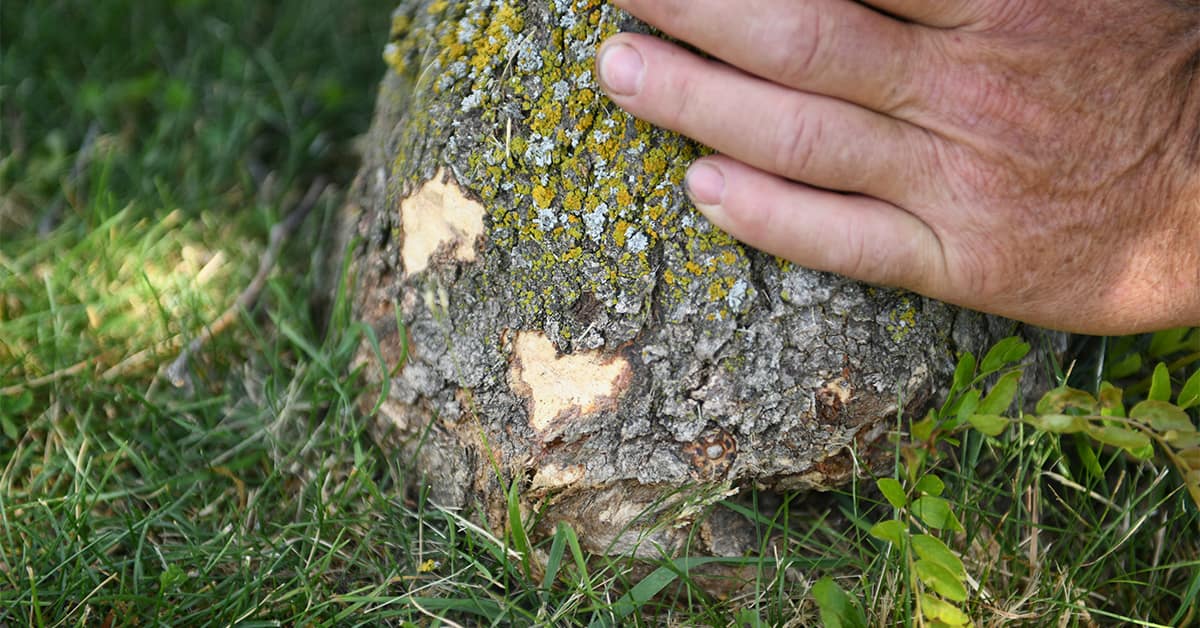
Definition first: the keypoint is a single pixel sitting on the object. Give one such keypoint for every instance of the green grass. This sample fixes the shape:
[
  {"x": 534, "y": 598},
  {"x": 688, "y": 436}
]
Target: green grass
[{"x": 144, "y": 156}]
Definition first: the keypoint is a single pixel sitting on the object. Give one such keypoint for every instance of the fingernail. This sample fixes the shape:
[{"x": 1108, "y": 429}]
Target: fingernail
[
  {"x": 705, "y": 185},
  {"x": 621, "y": 69}
]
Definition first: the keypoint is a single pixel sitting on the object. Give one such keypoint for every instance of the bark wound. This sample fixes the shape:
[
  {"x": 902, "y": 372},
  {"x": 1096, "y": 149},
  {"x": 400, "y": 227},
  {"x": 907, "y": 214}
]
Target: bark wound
[
  {"x": 436, "y": 217},
  {"x": 559, "y": 389}
]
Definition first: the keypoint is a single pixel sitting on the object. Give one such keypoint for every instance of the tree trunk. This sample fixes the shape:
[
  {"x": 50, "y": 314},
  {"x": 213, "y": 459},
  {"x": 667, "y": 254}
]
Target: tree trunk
[{"x": 574, "y": 326}]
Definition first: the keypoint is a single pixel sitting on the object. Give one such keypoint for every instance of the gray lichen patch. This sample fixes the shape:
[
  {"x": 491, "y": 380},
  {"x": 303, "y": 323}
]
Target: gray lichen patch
[{"x": 439, "y": 216}]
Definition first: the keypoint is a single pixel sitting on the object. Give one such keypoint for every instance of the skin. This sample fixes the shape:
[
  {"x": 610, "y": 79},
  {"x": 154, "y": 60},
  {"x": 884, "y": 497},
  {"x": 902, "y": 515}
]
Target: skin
[{"x": 1035, "y": 159}]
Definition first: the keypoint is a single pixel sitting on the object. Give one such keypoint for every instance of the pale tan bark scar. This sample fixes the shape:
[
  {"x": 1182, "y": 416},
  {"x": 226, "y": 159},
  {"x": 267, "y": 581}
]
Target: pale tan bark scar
[
  {"x": 436, "y": 215},
  {"x": 564, "y": 386}
]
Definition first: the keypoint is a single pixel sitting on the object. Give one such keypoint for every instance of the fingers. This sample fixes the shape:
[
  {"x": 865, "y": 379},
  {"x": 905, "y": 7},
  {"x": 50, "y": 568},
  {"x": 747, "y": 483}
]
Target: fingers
[
  {"x": 818, "y": 140},
  {"x": 936, "y": 13},
  {"x": 856, "y": 236},
  {"x": 833, "y": 47}
]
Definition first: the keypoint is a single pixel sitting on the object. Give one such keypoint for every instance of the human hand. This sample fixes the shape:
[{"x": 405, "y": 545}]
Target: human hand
[{"x": 1039, "y": 160}]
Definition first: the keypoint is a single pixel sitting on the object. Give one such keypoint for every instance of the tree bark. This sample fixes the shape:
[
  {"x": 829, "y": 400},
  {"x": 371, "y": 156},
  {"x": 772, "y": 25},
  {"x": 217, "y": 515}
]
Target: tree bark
[{"x": 574, "y": 328}]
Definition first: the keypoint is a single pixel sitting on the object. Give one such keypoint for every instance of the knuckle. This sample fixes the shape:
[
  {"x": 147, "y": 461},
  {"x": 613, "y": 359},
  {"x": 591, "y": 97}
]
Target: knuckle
[
  {"x": 798, "y": 135},
  {"x": 799, "y": 50},
  {"x": 855, "y": 259},
  {"x": 682, "y": 109},
  {"x": 980, "y": 268}
]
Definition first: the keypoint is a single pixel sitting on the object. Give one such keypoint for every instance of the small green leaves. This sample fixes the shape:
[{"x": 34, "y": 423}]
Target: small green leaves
[
  {"x": 1057, "y": 423},
  {"x": 1120, "y": 437},
  {"x": 1190, "y": 458},
  {"x": 1162, "y": 416},
  {"x": 1168, "y": 341},
  {"x": 932, "y": 549},
  {"x": 891, "y": 530},
  {"x": 941, "y": 580},
  {"x": 936, "y": 610},
  {"x": 13, "y": 406},
  {"x": 922, "y": 430},
  {"x": 1182, "y": 440},
  {"x": 1058, "y": 400},
  {"x": 990, "y": 424},
  {"x": 1001, "y": 396},
  {"x": 1007, "y": 351},
  {"x": 964, "y": 372},
  {"x": 1189, "y": 395},
  {"x": 1160, "y": 384},
  {"x": 1111, "y": 403},
  {"x": 966, "y": 406},
  {"x": 939, "y": 568},
  {"x": 892, "y": 491},
  {"x": 935, "y": 512},
  {"x": 1126, "y": 366},
  {"x": 930, "y": 485},
  {"x": 838, "y": 610}
]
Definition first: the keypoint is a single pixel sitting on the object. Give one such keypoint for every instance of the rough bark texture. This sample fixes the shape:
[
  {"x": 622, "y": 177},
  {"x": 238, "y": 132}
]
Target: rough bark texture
[{"x": 574, "y": 326}]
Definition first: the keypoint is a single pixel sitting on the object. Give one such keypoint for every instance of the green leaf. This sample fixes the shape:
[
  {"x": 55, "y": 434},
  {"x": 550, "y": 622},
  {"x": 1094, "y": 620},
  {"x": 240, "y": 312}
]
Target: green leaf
[
  {"x": 892, "y": 491},
  {"x": 1182, "y": 440},
  {"x": 1192, "y": 481},
  {"x": 554, "y": 560},
  {"x": 965, "y": 406},
  {"x": 1160, "y": 384},
  {"x": 1001, "y": 396},
  {"x": 13, "y": 406},
  {"x": 1144, "y": 452},
  {"x": 893, "y": 531},
  {"x": 931, "y": 485},
  {"x": 1007, "y": 351},
  {"x": 651, "y": 585},
  {"x": 1189, "y": 395},
  {"x": 516, "y": 527},
  {"x": 1056, "y": 423},
  {"x": 1162, "y": 416},
  {"x": 838, "y": 609},
  {"x": 941, "y": 580},
  {"x": 935, "y": 512},
  {"x": 932, "y": 549},
  {"x": 964, "y": 372},
  {"x": 1085, "y": 449},
  {"x": 1167, "y": 341},
  {"x": 172, "y": 577},
  {"x": 1063, "y": 397},
  {"x": 1111, "y": 403},
  {"x": 989, "y": 424},
  {"x": 18, "y": 404},
  {"x": 1190, "y": 457},
  {"x": 8, "y": 427},
  {"x": 1130, "y": 364},
  {"x": 922, "y": 430},
  {"x": 943, "y": 611},
  {"x": 1120, "y": 437}
]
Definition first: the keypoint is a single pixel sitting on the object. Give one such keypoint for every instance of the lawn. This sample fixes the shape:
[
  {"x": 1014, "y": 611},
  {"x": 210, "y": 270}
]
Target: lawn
[{"x": 147, "y": 151}]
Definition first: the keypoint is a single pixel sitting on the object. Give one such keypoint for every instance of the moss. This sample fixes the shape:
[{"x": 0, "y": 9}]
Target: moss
[{"x": 580, "y": 196}]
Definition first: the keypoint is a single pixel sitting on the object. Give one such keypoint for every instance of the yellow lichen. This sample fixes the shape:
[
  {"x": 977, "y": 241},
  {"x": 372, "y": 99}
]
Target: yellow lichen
[
  {"x": 542, "y": 196},
  {"x": 560, "y": 165}
]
